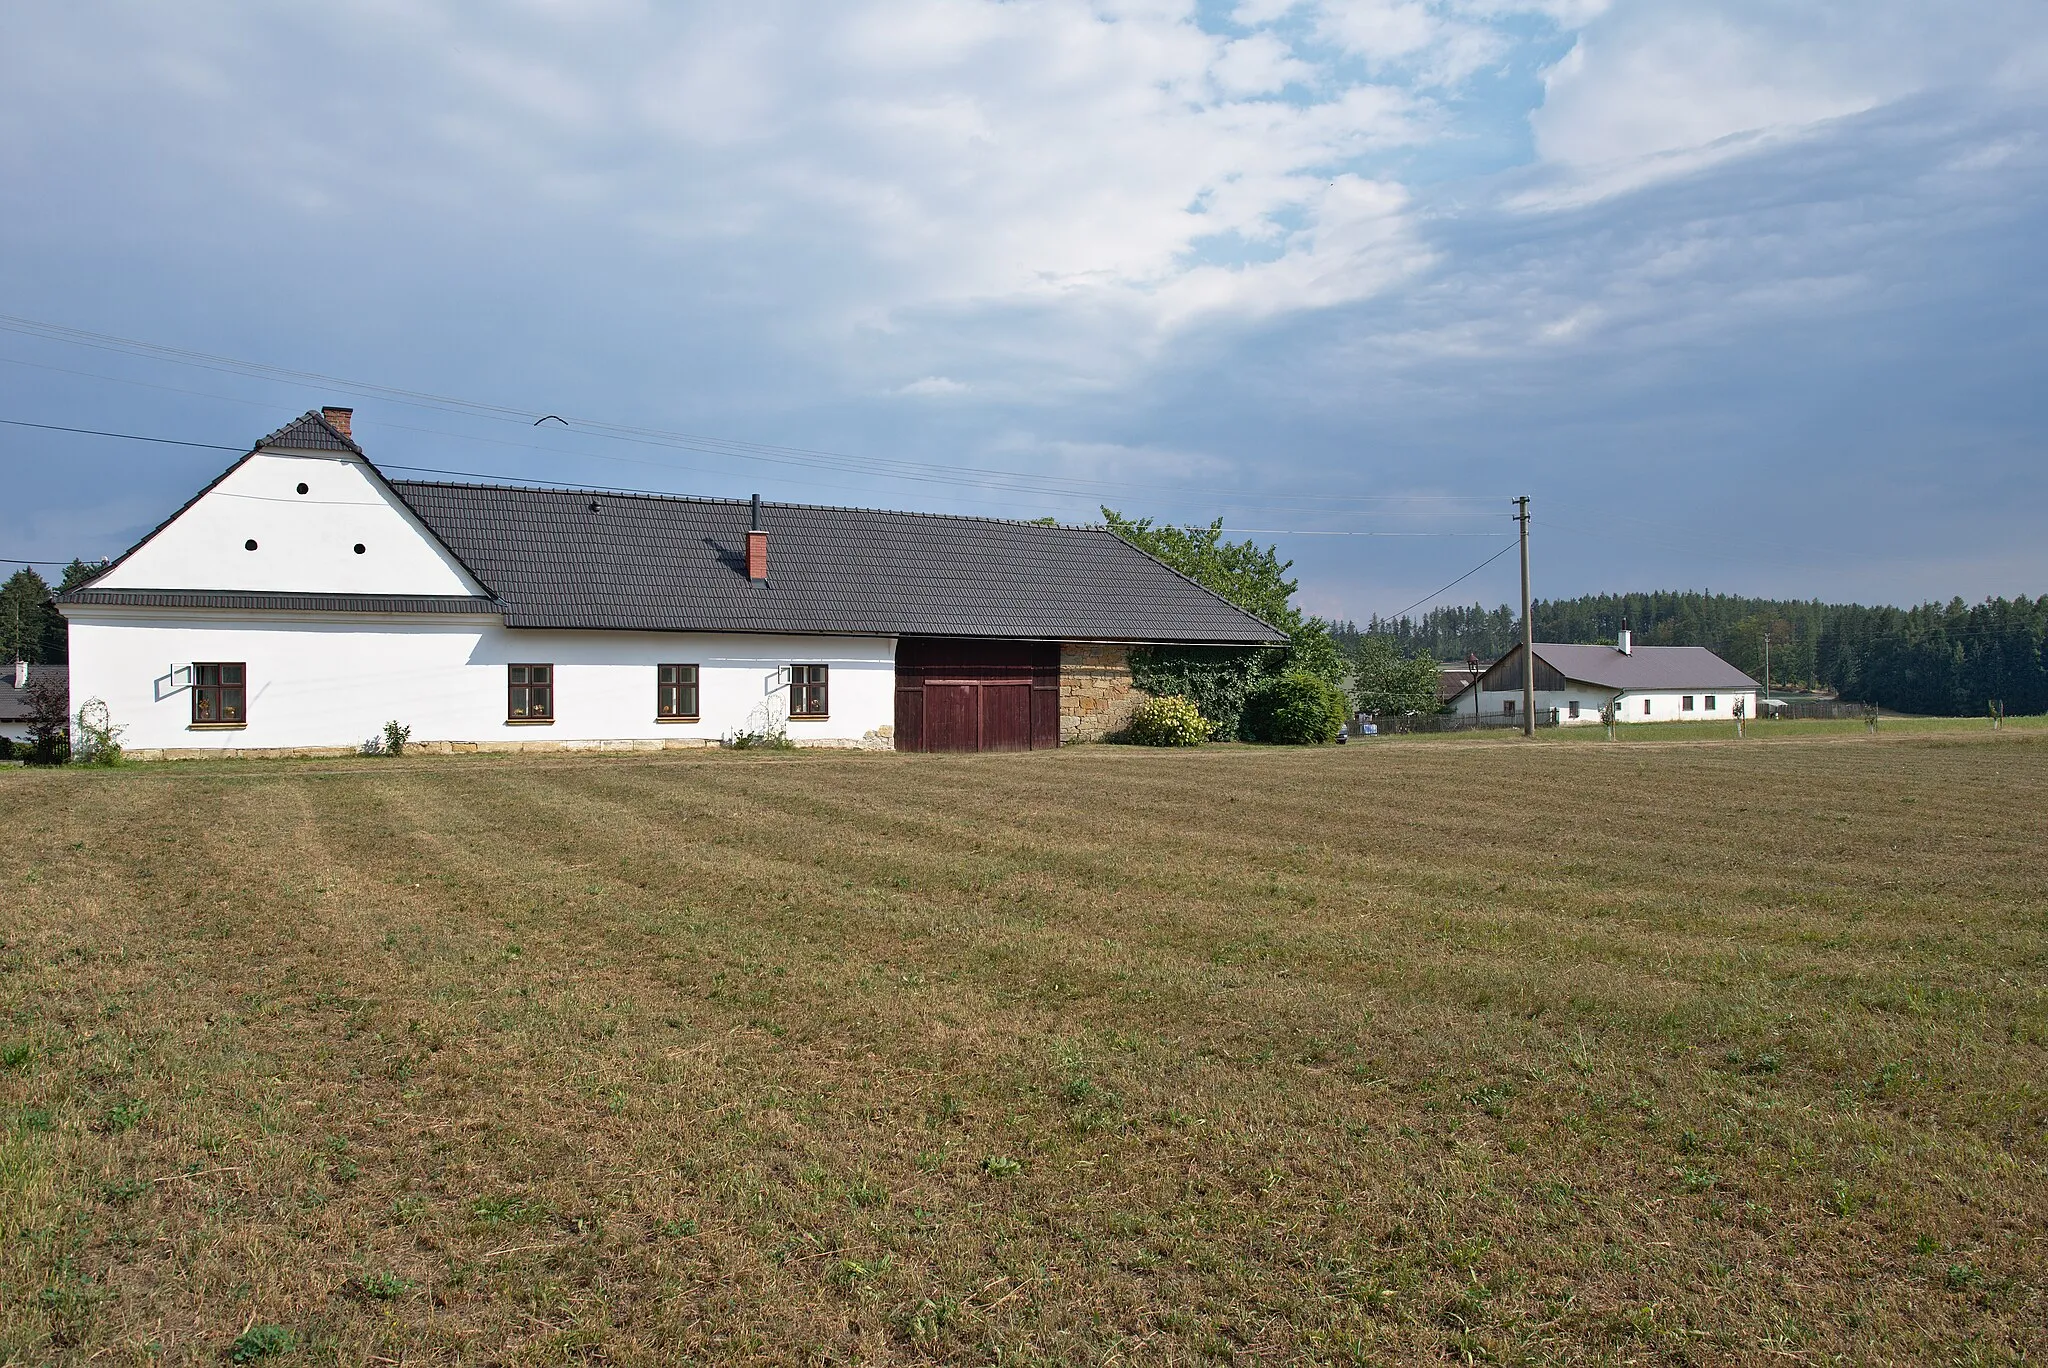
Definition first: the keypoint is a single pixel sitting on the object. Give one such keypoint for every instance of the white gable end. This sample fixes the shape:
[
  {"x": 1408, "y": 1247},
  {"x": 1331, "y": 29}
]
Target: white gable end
[{"x": 295, "y": 522}]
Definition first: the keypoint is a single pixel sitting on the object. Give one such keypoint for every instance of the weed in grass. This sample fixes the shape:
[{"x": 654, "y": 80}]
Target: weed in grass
[
  {"x": 677, "y": 1229},
  {"x": 118, "y": 1116},
  {"x": 261, "y": 1342},
  {"x": 118, "y": 1190},
  {"x": 385, "y": 1286},
  {"x": 929, "y": 1320},
  {"x": 506, "y": 1210},
  {"x": 17, "y": 1054},
  {"x": 859, "y": 1272},
  {"x": 1492, "y": 1099},
  {"x": 31, "y": 1119},
  {"x": 1001, "y": 1166}
]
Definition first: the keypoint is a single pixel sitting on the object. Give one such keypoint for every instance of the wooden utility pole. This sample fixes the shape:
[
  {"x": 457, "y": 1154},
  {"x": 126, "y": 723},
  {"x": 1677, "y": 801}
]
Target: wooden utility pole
[
  {"x": 1528, "y": 627},
  {"x": 1767, "y": 672}
]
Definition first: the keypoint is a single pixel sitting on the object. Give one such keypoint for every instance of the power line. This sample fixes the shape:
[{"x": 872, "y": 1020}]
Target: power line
[
  {"x": 879, "y": 467},
  {"x": 1454, "y": 583},
  {"x": 1296, "y": 532},
  {"x": 516, "y": 479},
  {"x": 125, "y": 436}
]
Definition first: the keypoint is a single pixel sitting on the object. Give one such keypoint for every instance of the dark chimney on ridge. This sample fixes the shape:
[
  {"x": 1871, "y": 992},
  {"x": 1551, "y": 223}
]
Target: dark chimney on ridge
[
  {"x": 757, "y": 547},
  {"x": 339, "y": 419}
]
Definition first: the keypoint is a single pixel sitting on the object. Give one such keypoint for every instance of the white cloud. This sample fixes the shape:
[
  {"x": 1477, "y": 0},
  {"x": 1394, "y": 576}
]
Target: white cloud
[
  {"x": 933, "y": 386},
  {"x": 1662, "y": 90}
]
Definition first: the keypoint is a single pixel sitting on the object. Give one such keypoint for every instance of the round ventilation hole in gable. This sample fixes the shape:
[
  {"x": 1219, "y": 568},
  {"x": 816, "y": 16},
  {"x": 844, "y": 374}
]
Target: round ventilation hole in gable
[
  {"x": 302, "y": 486},
  {"x": 359, "y": 548},
  {"x": 249, "y": 545}
]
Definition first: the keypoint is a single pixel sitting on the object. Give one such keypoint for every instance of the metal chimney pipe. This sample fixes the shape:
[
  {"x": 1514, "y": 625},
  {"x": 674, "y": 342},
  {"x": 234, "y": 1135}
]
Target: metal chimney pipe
[{"x": 755, "y": 525}]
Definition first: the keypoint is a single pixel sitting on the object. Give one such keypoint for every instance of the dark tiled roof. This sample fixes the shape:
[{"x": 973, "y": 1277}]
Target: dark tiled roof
[
  {"x": 1647, "y": 667},
  {"x": 309, "y": 432},
  {"x": 305, "y": 603},
  {"x": 14, "y": 702},
  {"x": 584, "y": 559}
]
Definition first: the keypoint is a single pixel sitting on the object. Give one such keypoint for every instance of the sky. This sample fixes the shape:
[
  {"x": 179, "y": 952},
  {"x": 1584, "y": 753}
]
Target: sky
[{"x": 1745, "y": 296}]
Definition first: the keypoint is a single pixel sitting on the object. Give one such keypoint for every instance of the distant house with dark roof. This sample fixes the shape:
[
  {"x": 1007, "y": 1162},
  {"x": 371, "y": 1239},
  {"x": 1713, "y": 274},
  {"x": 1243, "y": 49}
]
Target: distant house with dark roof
[
  {"x": 1643, "y": 683},
  {"x": 15, "y": 682},
  {"x": 303, "y": 599}
]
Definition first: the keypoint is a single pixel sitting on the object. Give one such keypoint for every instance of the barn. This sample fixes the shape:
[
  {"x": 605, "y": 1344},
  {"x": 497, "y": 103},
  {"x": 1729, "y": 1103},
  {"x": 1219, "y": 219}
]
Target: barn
[{"x": 303, "y": 599}]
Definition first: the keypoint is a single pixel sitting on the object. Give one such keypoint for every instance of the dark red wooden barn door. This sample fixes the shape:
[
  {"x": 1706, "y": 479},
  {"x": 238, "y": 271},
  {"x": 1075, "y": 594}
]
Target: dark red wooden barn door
[
  {"x": 1006, "y": 715},
  {"x": 952, "y": 717},
  {"x": 969, "y": 695}
]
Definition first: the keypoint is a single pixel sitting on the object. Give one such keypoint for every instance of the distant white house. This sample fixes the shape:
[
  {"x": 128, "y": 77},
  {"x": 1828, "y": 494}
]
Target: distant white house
[{"x": 1644, "y": 683}]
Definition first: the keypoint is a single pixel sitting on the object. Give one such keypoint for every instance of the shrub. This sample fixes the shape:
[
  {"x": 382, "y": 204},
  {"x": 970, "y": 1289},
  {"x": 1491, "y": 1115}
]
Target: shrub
[
  {"x": 1216, "y": 679},
  {"x": 6, "y": 748},
  {"x": 395, "y": 737},
  {"x": 1169, "y": 721},
  {"x": 49, "y": 723},
  {"x": 98, "y": 739},
  {"x": 773, "y": 738},
  {"x": 1294, "y": 709}
]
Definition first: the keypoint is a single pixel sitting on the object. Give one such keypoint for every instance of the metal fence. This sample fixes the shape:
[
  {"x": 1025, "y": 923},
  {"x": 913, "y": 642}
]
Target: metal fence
[
  {"x": 1412, "y": 724},
  {"x": 1812, "y": 709}
]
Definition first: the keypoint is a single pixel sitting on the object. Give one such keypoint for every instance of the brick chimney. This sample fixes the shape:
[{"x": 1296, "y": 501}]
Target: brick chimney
[
  {"x": 757, "y": 547},
  {"x": 339, "y": 419}
]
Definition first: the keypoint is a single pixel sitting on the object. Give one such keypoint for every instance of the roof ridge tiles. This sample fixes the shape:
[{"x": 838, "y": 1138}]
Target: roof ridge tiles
[{"x": 660, "y": 497}]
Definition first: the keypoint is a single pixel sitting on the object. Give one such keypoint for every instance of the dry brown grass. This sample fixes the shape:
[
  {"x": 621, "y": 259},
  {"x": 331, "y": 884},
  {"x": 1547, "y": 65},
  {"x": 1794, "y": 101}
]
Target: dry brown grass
[{"x": 1693, "y": 1053}]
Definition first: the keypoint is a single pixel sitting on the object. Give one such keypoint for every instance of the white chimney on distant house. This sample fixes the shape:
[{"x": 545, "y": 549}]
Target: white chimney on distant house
[
  {"x": 21, "y": 674},
  {"x": 1626, "y": 645}
]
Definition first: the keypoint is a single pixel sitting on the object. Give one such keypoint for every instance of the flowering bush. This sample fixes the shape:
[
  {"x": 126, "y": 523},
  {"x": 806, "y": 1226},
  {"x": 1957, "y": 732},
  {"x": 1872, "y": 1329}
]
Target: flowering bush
[{"x": 1169, "y": 721}]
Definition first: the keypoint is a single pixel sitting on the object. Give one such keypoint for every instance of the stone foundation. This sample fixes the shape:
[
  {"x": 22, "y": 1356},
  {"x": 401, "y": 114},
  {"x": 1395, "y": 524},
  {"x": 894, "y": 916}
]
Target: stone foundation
[{"x": 1096, "y": 692}]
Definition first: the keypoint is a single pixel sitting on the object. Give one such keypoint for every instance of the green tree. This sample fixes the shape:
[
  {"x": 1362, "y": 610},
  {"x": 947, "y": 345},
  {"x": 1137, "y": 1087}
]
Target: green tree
[
  {"x": 1311, "y": 649},
  {"x": 30, "y": 627},
  {"x": 49, "y": 722},
  {"x": 1385, "y": 680},
  {"x": 1219, "y": 679},
  {"x": 1251, "y": 576},
  {"x": 78, "y": 572}
]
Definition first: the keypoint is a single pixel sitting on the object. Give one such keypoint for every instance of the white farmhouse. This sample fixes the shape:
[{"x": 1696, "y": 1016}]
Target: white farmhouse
[
  {"x": 1644, "y": 683},
  {"x": 302, "y": 600}
]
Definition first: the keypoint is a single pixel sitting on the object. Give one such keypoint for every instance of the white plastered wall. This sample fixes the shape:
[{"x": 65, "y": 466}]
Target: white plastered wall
[
  {"x": 1664, "y": 705},
  {"x": 305, "y": 543},
  {"x": 320, "y": 680}
]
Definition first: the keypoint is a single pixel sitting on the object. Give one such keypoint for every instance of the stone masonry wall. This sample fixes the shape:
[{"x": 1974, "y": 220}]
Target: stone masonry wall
[{"x": 1096, "y": 692}]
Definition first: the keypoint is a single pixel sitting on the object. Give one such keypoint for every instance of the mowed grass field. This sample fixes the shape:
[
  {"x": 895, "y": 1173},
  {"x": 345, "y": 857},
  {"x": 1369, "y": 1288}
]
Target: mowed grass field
[{"x": 1698, "y": 1052}]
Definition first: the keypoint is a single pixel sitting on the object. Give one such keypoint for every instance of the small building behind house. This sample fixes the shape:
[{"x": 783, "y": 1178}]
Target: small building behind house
[
  {"x": 15, "y": 707},
  {"x": 1643, "y": 683}
]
